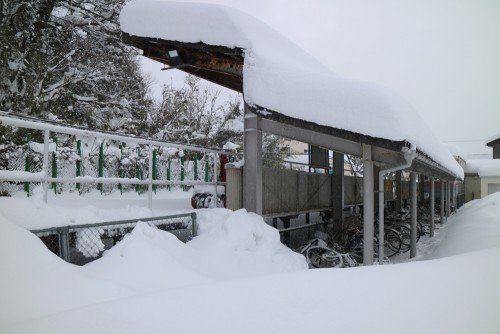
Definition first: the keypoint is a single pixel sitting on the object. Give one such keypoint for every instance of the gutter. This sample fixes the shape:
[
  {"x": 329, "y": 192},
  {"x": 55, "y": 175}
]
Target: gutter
[{"x": 409, "y": 155}]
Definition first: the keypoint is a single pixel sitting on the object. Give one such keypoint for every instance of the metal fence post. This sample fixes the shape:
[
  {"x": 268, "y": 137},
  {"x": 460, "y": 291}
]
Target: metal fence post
[
  {"x": 196, "y": 167},
  {"x": 195, "y": 227},
  {"x": 63, "y": 243},
  {"x": 46, "y": 138},
  {"x": 168, "y": 174},
  {"x": 154, "y": 170},
  {"x": 150, "y": 177},
  {"x": 78, "y": 162},
  {"x": 207, "y": 168},
  {"x": 120, "y": 169},
  {"x": 137, "y": 171},
  {"x": 182, "y": 171},
  {"x": 27, "y": 166},
  {"x": 101, "y": 165},
  {"x": 54, "y": 165}
]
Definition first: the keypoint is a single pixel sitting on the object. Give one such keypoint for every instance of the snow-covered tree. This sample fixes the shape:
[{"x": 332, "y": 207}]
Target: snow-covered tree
[
  {"x": 196, "y": 115},
  {"x": 65, "y": 57}
]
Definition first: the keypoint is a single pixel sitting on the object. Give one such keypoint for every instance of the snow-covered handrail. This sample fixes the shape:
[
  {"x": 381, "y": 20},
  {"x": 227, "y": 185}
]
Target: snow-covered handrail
[{"x": 24, "y": 121}]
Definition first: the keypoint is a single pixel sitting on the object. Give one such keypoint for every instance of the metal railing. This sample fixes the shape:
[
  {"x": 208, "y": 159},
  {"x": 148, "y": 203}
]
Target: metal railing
[
  {"x": 81, "y": 244},
  {"x": 129, "y": 162}
]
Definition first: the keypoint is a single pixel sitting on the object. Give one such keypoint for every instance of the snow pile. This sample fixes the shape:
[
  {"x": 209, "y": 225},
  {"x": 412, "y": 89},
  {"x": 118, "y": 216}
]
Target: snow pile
[
  {"x": 37, "y": 283},
  {"x": 230, "y": 245},
  {"x": 241, "y": 244},
  {"x": 282, "y": 77},
  {"x": 149, "y": 259},
  {"x": 237, "y": 278},
  {"x": 34, "y": 282},
  {"x": 475, "y": 227}
]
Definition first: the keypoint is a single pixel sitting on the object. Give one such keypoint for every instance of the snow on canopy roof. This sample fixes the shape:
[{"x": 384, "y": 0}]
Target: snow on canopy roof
[
  {"x": 280, "y": 76},
  {"x": 483, "y": 167}
]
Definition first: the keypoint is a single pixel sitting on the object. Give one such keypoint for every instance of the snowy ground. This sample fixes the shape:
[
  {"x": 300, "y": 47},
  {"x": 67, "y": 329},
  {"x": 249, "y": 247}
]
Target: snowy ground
[{"x": 236, "y": 277}]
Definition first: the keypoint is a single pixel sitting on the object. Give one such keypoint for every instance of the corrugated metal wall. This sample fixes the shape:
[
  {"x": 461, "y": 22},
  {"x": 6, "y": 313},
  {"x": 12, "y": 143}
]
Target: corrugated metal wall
[
  {"x": 289, "y": 191},
  {"x": 294, "y": 191}
]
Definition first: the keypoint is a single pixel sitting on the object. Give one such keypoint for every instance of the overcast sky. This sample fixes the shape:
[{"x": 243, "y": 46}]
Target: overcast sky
[{"x": 441, "y": 55}]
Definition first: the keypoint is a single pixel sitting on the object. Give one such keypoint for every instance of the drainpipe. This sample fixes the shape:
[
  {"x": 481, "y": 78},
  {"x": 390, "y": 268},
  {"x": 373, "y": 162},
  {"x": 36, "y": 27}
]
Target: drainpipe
[{"x": 409, "y": 155}]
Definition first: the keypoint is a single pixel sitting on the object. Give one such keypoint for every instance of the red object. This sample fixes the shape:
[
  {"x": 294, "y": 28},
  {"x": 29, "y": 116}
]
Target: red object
[{"x": 223, "y": 161}]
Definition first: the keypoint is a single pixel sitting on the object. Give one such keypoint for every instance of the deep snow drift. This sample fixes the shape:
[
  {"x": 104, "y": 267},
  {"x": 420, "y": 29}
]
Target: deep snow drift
[{"x": 237, "y": 278}]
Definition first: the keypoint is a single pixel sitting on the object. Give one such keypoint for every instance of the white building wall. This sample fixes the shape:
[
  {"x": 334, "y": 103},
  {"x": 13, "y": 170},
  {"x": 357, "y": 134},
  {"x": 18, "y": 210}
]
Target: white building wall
[{"x": 489, "y": 185}]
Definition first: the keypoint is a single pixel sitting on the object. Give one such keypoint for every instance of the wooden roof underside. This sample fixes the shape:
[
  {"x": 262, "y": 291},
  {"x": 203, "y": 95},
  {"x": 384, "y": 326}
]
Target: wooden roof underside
[{"x": 218, "y": 64}]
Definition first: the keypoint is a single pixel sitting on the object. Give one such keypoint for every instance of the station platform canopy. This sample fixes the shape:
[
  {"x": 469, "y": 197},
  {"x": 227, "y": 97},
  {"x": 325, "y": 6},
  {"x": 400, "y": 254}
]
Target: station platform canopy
[{"x": 292, "y": 93}]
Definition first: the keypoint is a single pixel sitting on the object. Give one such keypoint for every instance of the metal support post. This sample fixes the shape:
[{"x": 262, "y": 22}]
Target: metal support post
[
  {"x": 54, "y": 165},
  {"x": 337, "y": 190},
  {"x": 137, "y": 171},
  {"x": 368, "y": 202},
  {"x": 448, "y": 203},
  {"x": 155, "y": 173},
  {"x": 78, "y": 162},
  {"x": 194, "y": 222},
  {"x": 150, "y": 178},
  {"x": 182, "y": 171},
  {"x": 399, "y": 192},
  {"x": 101, "y": 165},
  {"x": 216, "y": 178},
  {"x": 207, "y": 168},
  {"x": 120, "y": 169},
  {"x": 441, "y": 216},
  {"x": 252, "y": 172},
  {"x": 196, "y": 167},
  {"x": 64, "y": 244},
  {"x": 168, "y": 174},
  {"x": 413, "y": 210},
  {"x": 431, "y": 207},
  {"x": 27, "y": 166},
  {"x": 46, "y": 138}
]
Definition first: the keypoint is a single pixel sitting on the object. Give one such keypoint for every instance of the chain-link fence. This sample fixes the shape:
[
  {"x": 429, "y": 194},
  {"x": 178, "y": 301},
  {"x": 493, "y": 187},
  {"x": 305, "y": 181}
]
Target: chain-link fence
[{"x": 81, "y": 244}]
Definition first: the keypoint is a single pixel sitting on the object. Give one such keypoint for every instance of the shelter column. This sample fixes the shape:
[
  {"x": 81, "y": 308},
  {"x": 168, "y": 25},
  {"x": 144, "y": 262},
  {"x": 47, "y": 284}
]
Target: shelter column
[
  {"x": 421, "y": 188},
  {"x": 338, "y": 189},
  {"x": 441, "y": 216},
  {"x": 431, "y": 206},
  {"x": 413, "y": 210},
  {"x": 368, "y": 202},
  {"x": 376, "y": 190},
  {"x": 252, "y": 171},
  {"x": 448, "y": 199},
  {"x": 399, "y": 192}
]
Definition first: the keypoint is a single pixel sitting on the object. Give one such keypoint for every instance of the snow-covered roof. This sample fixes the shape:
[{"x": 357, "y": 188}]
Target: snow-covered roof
[
  {"x": 483, "y": 167},
  {"x": 492, "y": 139},
  {"x": 281, "y": 77}
]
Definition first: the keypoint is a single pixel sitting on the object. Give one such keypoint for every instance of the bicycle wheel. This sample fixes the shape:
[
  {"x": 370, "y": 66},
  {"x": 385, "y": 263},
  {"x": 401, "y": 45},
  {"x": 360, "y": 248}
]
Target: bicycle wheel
[
  {"x": 405, "y": 235},
  {"x": 323, "y": 257},
  {"x": 392, "y": 242}
]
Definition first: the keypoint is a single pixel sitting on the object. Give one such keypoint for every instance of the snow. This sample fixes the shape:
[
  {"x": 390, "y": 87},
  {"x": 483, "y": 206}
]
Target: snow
[
  {"x": 282, "y": 77},
  {"x": 492, "y": 138},
  {"x": 483, "y": 167},
  {"x": 236, "y": 277},
  {"x": 230, "y": 146}
]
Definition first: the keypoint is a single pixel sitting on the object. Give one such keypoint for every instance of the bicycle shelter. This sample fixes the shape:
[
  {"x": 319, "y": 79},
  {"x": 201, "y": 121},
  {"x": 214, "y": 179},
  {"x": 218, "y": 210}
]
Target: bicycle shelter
[{"x": 289, "y": 93}]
